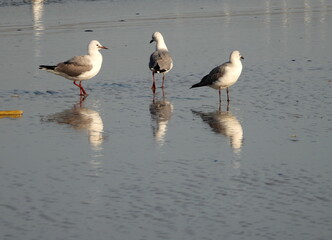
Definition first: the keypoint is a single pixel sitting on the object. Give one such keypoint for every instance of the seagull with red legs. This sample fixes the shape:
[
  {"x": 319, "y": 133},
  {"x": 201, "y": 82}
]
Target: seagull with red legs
[
  {"x": 160, "y": 60},
  {"x": 80, "y": 68}
]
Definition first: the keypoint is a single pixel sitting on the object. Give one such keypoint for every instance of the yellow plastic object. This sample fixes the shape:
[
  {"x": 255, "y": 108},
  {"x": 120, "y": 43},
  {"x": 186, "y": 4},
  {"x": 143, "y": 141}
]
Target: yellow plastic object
[{"x": 11, "y": 113}]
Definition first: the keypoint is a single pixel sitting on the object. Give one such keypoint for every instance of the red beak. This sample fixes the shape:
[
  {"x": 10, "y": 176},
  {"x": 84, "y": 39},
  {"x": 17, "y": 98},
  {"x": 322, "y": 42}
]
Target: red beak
[{"x": 103, "y": 47}]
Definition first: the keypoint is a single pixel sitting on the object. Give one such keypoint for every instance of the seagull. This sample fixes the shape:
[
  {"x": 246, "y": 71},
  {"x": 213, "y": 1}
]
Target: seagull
[
  {"x": 160, "y": 60},
  {"x": 80, "y": 68},
  {"x": 224, "y": 75}
]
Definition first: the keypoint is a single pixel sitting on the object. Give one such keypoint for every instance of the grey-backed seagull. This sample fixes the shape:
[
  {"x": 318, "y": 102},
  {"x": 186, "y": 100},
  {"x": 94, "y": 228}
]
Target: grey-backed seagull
[
  {"x": 224, "y": 75},
  {"x": 80, "y": 68},
  {"x": 160, "y": 60}
]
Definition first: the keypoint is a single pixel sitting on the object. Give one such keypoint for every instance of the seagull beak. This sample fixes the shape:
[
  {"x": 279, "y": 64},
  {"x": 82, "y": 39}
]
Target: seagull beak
[
  {"x": 151, "y": 41},
  {"x": 242, "y": 57},
  {"x": 103, "y": 47}
]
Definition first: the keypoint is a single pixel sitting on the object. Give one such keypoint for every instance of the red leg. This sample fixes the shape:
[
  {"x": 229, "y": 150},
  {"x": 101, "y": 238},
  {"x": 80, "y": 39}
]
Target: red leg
[
  {"x": 78, "y": 86},
  {"x": 82, "y": 89}
]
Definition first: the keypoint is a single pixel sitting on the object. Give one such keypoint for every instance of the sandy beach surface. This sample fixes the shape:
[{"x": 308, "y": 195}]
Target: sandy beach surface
[{"x": 123, "y": 164}]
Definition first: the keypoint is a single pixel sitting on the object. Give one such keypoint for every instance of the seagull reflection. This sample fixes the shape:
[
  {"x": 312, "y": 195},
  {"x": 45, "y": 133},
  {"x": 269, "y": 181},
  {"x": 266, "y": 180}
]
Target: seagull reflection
[
  {"x": 161, "y": 112},
  {"x": 82, "y": 118},
  {"x": 223, "y": 122}
]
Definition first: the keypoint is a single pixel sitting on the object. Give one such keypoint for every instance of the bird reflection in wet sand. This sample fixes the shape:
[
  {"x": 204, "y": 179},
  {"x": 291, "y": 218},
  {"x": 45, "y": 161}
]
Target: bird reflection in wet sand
[
  {"x": 81, "y": 118},
  {"x": 223, "y": 122},
  {"x": 161, "y": 112}
]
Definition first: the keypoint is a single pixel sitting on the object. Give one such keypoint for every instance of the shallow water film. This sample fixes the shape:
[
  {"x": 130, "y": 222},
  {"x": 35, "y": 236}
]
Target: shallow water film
[{"x": 123, "y": 163}]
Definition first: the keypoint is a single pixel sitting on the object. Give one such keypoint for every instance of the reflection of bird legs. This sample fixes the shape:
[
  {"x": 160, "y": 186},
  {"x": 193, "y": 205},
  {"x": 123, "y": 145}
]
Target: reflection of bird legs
[
  {"x": 163, "y": 94},
  {"x": 82, "y": 99},
  {"x": 153, "y": 87},
  {"x": 227, "y": 95},
  {"x": 80, "y": 103},
  {"x": 154, "y": 96},
  {"x": 227, "y": 107}
]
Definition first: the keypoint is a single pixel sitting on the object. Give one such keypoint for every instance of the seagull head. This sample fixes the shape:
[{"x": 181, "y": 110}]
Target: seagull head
[
  {"x": 156, "y": 37},
  {"x": 235, "y": 56},
  {"x": 94, "y": 45}
]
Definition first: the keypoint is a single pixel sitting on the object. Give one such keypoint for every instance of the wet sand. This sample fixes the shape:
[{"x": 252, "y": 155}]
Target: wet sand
[{"x": 123, "y": 164}]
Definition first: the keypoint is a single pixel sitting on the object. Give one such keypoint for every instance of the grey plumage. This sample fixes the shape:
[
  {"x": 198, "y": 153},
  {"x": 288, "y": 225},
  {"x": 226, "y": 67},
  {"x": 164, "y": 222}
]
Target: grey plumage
[
  {"x": 79, "y": 68},
  {"x": 72, "y": 68},
  {"x": 160, "y": 61},
  {"x": 224, "y": 75},
  {"x": 212, "y": 77}
]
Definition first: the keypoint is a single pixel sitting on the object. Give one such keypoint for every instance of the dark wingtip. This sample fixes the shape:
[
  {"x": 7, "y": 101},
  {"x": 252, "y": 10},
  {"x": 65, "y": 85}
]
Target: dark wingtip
[
  {"x": 44, "y": 67},
  {"x": 196, "y": 85}
]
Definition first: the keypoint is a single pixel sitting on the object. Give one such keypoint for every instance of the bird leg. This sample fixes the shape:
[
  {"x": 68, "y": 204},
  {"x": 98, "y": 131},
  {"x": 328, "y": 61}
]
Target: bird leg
[
  {"x": 162, "y": 86},
  {"x": 219, "y": 95},
  {"x": 153, "y": 83},
  {"x": 78, "y": 86},
  {"x": 82, "y": 91},
  {"x": 227, "y": 95}
]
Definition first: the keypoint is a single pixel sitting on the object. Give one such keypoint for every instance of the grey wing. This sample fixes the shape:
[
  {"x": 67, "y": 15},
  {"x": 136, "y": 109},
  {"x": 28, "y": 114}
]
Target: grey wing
[
  {"x": 214, "y": 75},
  {"x": 160, "y": 61},
  {"x": 217, "y": 72},
  {"x": 75, "y": 66}
]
